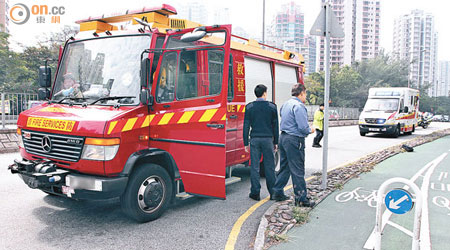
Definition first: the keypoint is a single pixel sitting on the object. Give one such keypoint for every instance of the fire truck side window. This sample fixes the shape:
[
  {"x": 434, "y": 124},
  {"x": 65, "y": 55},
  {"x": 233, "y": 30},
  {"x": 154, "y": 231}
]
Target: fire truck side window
[
  {"x": 215, "y": 70},
  {"x": 187, "y": 86},
  {"x": 165, "y": 90}
]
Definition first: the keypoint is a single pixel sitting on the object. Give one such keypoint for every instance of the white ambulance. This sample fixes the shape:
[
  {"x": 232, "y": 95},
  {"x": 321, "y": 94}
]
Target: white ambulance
[{"x": 390, "y": 111}]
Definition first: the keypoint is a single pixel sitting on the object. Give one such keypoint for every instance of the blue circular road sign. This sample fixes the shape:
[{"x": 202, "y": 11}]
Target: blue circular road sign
[{"x": 398, "y": 201}]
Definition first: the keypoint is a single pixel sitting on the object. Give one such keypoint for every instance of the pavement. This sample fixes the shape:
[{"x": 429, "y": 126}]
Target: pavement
[
  {"x": 32, "y": 219},
  {"x": 346, "y": 218}
]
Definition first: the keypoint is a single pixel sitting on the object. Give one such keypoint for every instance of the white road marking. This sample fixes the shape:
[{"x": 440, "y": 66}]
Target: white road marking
[
  {"x": 425, "y": 238},
  {"x": 406, "y": 231},
  {"x": 370, "y": 243},
  {"x": 443, "y": 175}
]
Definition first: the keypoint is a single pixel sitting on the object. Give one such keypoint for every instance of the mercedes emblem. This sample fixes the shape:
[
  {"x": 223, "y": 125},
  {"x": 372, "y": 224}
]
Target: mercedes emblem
[{"x": 46, "y": 144}]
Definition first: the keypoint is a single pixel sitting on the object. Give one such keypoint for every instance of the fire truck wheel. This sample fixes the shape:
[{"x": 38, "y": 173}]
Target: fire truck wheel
[
  {"x": 277, "y": 166},
  {"x": 148, "y": 193}
]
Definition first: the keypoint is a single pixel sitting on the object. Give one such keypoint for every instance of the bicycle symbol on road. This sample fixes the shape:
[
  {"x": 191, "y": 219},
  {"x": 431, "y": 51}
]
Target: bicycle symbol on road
[
  {"x": 359, "y": 195},
  {"x": 441, "y": 201}
]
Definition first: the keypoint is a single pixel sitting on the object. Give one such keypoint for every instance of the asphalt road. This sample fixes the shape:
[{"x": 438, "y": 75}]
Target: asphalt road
[{"x": 32, "y": 219}]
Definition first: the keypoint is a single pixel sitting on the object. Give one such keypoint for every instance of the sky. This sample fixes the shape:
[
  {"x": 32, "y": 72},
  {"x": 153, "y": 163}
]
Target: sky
[{"x": 243, "y": 13}]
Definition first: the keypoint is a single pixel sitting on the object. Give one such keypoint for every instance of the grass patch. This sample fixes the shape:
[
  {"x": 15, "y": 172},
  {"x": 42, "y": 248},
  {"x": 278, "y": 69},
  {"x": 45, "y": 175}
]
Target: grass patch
[
  {"x": 339, "y": 186},
  {"x": 300, "y": 215},
  {"x": 281, "y": 237}
]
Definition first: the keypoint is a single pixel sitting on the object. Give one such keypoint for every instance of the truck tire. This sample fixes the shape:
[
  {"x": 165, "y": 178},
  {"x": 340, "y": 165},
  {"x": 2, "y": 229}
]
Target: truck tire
[
  {"x": 148, "y": 193},
  {"x": 277, "y": 169}
]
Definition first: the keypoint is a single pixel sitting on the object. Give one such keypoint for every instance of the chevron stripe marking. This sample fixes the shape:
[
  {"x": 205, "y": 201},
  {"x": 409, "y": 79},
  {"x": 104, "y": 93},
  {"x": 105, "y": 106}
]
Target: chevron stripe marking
[
  {"x": 111, "y": 126},
  {"x": 129, "y": 125},
  {"x": 206, "y": 117},
  {"x": 186, "y": 117},
  {"x": 166, "y": 119}
]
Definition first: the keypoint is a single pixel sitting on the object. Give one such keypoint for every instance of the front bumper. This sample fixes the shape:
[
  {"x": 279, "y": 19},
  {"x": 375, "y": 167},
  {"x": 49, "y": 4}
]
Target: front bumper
[
  {"x": 46, "y": 176},
  {"x": 385, "y": 129}
]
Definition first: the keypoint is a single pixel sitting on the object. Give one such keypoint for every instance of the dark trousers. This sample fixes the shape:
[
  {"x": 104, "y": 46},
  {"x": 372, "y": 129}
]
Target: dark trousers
[
  {"x": 292, "y": 163},
  {"x": 318, "y": 138},
  {"x": 262, "y": 146}
]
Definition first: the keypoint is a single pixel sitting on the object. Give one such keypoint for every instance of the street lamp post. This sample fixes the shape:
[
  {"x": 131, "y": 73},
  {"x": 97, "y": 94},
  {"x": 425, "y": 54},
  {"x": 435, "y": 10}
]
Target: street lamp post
[{"x": 263, "y": 21}]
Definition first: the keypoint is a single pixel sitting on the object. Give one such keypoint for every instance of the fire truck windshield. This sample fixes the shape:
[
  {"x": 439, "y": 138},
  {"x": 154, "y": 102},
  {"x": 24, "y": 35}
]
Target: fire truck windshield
[{"x": 99, "y": 68}]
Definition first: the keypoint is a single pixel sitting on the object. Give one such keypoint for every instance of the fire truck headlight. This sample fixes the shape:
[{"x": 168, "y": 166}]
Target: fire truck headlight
[
  {"x": 99, "y": 153},
  {"x": 100, "y": 149},
  {"x": 19, "y": 138}
]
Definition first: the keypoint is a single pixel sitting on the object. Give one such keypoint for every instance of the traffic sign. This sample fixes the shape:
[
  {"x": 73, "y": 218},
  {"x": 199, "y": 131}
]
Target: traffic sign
[{"x": 398, "y": 201}]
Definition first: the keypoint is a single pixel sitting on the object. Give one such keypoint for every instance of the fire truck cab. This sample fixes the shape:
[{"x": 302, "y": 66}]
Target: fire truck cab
[{"x": 147, "y": 108}]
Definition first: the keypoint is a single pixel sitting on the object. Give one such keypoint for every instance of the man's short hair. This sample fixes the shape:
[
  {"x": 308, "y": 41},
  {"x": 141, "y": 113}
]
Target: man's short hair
[
  {"x": 260, "y": 89},
  {"x": 297, "y": 89},
  {"x": 322, "y": 105}
]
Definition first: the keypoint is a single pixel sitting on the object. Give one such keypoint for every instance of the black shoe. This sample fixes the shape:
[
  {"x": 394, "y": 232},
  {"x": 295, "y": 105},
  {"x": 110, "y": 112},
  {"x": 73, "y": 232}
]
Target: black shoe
[
  {"x": 255, "y": 197},
  {"x": 280, "y": 197},
  {"x": 316, "y": 146},
  {"x": 306, "y": 203}
]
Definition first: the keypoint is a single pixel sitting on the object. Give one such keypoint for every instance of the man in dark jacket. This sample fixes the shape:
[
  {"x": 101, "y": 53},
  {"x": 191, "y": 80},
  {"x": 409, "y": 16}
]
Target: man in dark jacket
[{"x": 262, "y": 117}]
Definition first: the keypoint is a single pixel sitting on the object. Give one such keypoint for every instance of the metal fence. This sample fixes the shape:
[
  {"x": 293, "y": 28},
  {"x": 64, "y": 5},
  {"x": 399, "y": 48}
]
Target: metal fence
[
  {"x": 12, "y": 104},
  {"x": 336, "y": 113}
]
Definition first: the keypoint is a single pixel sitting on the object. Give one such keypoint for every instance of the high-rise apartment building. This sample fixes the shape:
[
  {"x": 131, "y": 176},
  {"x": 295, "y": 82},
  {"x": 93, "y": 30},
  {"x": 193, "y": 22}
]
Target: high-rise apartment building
[
  {"x": 360, "y": 20},
  {"x": 308, "y": 50},
  {"x": 443, "y": 85},
  {"x": 4, "y": 20},
  {"x": 193, "y": 11},
  {"x": 415, "y": 40},
  {"x": 287, "y": 29},
  {"x": 221, "y": 16}
]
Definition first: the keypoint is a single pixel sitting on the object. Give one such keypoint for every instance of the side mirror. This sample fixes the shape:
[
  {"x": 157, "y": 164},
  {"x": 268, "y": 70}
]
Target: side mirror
[
  {"x": 195, "y": 35},
  {"x": 43, "y": 94},
  {"x": 146, "y": 98},
  {"x": 406, "y": 110},
  {"x": 45, "y": 74},
  {"x": 145, "y": 68}
]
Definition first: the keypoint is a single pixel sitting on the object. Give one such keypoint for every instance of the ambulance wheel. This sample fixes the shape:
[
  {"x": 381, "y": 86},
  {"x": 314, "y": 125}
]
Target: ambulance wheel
[
  {"x": 277, "y": 166},
  {"x": 362, "y": 133},
  {"x": 396, "y": 133},
  {"x": 414, "y": 129},
  {"x": 148, "y": 193}
]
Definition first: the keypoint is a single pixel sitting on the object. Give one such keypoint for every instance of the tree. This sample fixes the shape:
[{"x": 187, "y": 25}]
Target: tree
[
  {"x": 19, "y": 71},
  {"x": 314, "y": 86}
]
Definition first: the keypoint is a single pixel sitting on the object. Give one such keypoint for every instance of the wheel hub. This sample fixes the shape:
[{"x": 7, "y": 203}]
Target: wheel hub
[{"x": 151, "y": 194}]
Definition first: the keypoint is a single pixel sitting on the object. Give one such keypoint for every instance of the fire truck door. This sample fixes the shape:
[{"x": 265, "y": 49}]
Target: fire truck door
[{"x": 196, "y": 137}]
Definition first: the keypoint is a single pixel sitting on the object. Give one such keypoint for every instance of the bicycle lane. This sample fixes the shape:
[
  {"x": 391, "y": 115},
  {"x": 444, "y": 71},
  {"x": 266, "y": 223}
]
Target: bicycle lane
[{"x": 346, "y": 218}]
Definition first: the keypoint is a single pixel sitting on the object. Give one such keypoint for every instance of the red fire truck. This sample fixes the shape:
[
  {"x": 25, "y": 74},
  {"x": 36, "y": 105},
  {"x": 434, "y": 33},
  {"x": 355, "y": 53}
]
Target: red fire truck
[{"x": 147, "y": 108}]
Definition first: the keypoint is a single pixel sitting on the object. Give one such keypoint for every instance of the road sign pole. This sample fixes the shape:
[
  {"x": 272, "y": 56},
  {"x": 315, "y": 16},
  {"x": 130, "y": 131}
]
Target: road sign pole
[
  {"x": 326, "y": 25},
  {"x": 326, "y": 97},
  {"x": 417, "y": 213}
]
